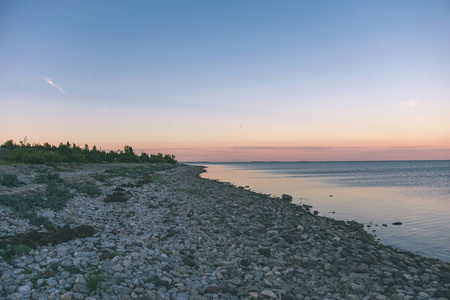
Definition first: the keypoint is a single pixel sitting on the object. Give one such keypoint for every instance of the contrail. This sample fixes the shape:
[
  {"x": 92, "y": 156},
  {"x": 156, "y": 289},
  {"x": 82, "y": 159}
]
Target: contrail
[{"x": 53, "y": 84}]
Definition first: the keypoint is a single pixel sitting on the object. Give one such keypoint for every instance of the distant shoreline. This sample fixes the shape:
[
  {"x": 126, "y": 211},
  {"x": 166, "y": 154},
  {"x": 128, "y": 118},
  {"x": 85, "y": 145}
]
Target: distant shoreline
[{"x": 304, "y": 161}]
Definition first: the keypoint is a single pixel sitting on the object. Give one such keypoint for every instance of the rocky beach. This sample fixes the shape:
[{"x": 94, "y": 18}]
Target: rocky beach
[{"x": 146, "y": 231}]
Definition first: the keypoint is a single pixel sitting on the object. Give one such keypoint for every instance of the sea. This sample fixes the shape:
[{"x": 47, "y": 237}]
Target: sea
[{"x": 374, "y": 193}]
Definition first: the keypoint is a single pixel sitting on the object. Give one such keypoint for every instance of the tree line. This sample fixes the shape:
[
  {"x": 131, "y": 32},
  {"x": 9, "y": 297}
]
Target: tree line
[{"x": 71, "y": 153}]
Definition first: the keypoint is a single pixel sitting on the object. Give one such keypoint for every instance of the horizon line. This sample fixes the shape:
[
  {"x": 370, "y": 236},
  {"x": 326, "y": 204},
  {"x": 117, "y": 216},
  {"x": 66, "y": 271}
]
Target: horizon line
[{"x": 309, "y": 161}]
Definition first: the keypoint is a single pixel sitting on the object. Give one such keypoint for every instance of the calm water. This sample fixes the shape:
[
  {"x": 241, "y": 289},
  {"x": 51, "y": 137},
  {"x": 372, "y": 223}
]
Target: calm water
[{"x": 416, "y": 193}]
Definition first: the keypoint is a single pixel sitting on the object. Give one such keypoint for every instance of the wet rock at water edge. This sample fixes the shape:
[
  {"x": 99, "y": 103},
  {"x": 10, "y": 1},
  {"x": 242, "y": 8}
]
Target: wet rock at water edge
[
  {"x": 286, "y": 197},
  {"x": 397, "y": 223}
]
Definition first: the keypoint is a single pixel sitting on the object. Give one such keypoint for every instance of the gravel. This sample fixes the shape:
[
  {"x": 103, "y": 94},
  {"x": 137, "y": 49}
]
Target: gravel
[{"x": 183, "y": 237}]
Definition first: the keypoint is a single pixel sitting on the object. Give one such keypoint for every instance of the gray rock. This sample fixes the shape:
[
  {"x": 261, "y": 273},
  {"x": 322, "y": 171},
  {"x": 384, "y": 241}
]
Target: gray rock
[
  {"x": 268, "y": 294},
  {"x": 85, "y": 254},
  {"x": 24, "y": 289},
  {"x": 286, "y": 197},
  {"x": 189, "y": 261},
  {"x": 264, "y": 251}
]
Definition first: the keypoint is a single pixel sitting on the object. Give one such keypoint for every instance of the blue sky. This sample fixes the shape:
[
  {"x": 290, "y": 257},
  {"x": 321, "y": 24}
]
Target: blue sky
[{"x": 203, "y": 78}]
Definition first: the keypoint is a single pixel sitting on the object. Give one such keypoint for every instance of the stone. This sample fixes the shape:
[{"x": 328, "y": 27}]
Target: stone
[
  {"x": 286, "y": 197},
  {"x": 264, "y": 251},
  {"x": 189, "y": 261},
  {"x": 15, "y": 296},
  {"x": 51, "y": 282},
  {"x": 105, "y": 255},
  {"x": 85, "y": 254},
  {"x": 212, "y": 289},
  {"x": 48, "y": 273},
  {"x": 159, "y": 282},
  {"x": 126, "y": 263},
  {"x": 268, "y": 294},
  {"x": 78, "y": 296},
  {"x": 23, "y": 289},
  {"x": 66, "y": 296},
  {"x": 117, "y": 268}
]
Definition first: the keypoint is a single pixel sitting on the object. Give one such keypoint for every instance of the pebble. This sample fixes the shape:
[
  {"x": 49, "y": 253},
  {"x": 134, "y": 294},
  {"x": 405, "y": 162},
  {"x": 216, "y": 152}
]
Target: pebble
[{"x": 269, "y": 294}]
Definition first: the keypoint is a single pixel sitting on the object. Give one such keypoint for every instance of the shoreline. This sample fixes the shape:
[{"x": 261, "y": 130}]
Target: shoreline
[
  {"x": 181, "y": 236},
  {"x": 420, "y": 206}
]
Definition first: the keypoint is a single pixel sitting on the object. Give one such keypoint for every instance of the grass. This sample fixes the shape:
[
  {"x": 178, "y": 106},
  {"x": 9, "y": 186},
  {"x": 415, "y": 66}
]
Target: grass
[
  {"x": 93, "y": 281},
  {"x": 37, "y": 220},
  {"x": 35, "y": 279}
]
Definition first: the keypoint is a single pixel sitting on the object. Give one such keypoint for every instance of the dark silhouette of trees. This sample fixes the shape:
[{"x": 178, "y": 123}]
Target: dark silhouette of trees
[{"x": 72, "y": 153}]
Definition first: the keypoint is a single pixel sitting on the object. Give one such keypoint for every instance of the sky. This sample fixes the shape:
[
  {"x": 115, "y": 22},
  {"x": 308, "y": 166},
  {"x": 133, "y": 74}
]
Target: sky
[{"x": 230, "y": 80}]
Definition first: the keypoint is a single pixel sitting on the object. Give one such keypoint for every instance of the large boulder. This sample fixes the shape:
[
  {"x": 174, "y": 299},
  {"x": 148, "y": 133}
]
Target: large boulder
[{"x": 286, "y": 197}]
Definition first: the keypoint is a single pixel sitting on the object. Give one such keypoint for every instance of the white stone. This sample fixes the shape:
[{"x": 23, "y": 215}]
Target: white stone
[
  {"x": 66, "y": 296},
  {"x": 126, "y": 263},
  {"x": 269, "y": 294},
  {"x": 24, "y": 289}
]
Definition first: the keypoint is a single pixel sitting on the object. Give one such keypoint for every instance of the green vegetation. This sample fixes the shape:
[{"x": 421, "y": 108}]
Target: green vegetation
[
  {"x": 71, "y": 153},
  {"x": 54, "y": 198},
  {"x": 34, "y": 279},
  {"x": 48, "y": 178},
  {"x": 37, "y": 220},
  {"x": 10, "y": 180},
  {"x": 93, "y": 281},
  {"x": 100, "y": 177},
  {"x": 88, "y": 188},
  {"x": 21, "y": 249},
  {"x": 11, "y": 251}
]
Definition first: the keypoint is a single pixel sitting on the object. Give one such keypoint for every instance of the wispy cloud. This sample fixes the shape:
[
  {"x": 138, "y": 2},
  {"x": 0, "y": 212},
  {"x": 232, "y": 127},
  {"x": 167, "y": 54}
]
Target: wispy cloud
[
  {"x": 405, "y": 151},
  {"x": 49, "y": 81},
  {"x": 102, "y": 110},
  {"x": 294, "y": 148},
  {"x": 162, "y": 149},
  {"x": 411, "y": 147},
  {"x": 411, "y": 103}
]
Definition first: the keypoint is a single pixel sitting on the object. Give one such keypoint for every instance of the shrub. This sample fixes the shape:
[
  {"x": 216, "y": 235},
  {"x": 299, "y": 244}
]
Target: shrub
[
  {"x": 116, "y": 197},
  {"x": 21, "y": 249},
  {"x": 48, "y": 177},
  {"x": 88, "y": 188},
  {"x": 100, "y": 177},
  {"x": 11, "y": 181}
]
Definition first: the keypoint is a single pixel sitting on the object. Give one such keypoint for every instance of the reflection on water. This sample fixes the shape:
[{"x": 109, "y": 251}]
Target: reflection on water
[{"x": 414, "y": 193}]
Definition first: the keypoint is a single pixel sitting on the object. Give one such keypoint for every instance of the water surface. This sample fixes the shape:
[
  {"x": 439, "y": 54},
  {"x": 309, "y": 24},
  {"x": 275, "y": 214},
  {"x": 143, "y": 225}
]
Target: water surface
[{"x": 416, "y": 193}]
